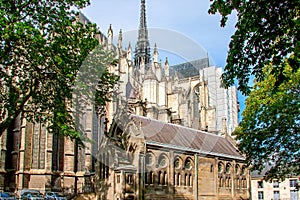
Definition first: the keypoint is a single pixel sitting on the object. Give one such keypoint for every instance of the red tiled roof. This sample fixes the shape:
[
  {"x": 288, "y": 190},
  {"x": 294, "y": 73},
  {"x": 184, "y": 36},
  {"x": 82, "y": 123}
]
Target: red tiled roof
[{"x": 175, "y": 136}]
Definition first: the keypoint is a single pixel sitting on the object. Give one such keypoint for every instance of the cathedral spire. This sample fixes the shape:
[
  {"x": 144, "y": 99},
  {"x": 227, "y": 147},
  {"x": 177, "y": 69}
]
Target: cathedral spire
[{"x": 142, "y": 49}]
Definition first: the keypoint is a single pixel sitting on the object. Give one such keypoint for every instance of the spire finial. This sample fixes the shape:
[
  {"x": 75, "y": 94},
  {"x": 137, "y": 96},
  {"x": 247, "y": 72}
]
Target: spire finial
[
  {"x": 120, "y": 39},
  {"x": 167, "y": 62},
  {"x": 143, "y": 46},
  {"x": 155, "y": 48}
]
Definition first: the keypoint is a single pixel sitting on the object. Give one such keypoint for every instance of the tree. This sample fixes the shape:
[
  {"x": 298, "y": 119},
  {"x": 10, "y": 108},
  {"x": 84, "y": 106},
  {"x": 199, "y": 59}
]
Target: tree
[
  {"x": 43, "y": 45},
  {"x": 269, "y": 131},
  {"x": 266, "y": 32},
  {"x": 265, "y": 47}
]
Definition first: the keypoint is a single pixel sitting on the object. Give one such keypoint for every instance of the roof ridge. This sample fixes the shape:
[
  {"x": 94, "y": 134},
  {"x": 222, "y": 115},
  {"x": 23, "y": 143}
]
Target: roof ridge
[{"x": 180, "y": 126}]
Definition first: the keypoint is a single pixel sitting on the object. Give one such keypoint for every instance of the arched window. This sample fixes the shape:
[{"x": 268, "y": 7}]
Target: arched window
[
  {"x": 178, "y": 179},
  {"x": 196, "y": 102},
  {"x": 220, "y": 167},
  {"x": 244, "y": 183},
  {"x": 237, "y": 169},
  {"x": 188, "y": 164},
  {"x": 186, "y": 179},
  {"x": 243, "y": 172},
  {"x": 151, "y": 177},
  {"x": 220, "y": 182},
  {"x": 148, "y": 159},
  {"x": 146, "y": 178},
  {"x": 162, "y": 161},
  {"x": 228, "y": 168},
  {"x": 159, "y": 181},
  {"x": 177, "y": 163},
  {"x": 165, "y": 179},
  {"x": 237, "y": 183}
]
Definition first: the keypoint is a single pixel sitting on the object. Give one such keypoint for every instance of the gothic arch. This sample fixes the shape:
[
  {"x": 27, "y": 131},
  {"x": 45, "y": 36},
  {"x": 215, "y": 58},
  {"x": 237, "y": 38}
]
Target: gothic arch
[
  {"x": 228, "y": 168},
  {"x": 237, "y": 169},
  {"x": 196, "y": 101},
  {"x": 188, "y": 163},
  {"x": 163, "y": 160},
  {"x": 178, "y": 162},
  {"x": 150, "y": 158},
  {"x": 221, "y": 167}
]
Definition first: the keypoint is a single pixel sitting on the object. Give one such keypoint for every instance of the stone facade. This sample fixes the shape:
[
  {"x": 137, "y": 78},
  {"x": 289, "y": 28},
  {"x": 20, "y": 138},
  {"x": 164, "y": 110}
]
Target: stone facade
[
  {"x": 159, "y": 163},
  {"x": 170, "y": 130},
  {"x": 31, "y": 157},
  {"x": 147, "y": 165}
]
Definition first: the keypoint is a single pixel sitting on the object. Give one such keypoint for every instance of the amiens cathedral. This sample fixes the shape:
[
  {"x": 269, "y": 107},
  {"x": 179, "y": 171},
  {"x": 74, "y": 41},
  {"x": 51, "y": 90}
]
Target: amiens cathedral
[{"x": 165, "y": 135}]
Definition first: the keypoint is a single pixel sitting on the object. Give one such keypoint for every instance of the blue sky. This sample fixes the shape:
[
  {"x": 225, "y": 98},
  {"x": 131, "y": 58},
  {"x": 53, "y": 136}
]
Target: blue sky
[
  {"x": 182, "y": 28},
  {"x": 188, "y": 18}
]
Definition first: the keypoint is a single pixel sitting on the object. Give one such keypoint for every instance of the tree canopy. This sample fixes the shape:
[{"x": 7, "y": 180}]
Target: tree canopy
[
  {"x": 266, "y": 32},
  {"x": 269, "y": 131},
  {"x": 265, "y": 48},
  {"x": 43, "y": 45}
]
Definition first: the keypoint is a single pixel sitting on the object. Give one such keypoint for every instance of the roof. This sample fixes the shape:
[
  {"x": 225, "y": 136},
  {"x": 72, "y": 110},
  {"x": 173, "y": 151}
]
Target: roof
[
  {"x": 189, "y": 69},
  {"x": 183, "y": 138}
]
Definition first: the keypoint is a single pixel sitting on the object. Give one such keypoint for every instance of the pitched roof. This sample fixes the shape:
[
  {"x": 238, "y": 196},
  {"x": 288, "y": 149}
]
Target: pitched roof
[{"x": 183, "y": 138}]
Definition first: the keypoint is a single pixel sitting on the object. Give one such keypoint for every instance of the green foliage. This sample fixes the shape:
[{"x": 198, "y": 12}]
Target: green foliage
[
  {"x": 269, "y": 131},
  {"x": 266, "y": 32},
  {"x": 265, "y": 46},
  {"x": 42, "y": 47}
]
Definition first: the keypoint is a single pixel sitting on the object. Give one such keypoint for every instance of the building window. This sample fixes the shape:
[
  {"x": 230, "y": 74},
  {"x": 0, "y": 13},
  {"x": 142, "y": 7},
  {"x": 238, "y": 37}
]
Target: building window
[
  {"x": 294, "y": 195},
  {"x": 162, "y": 176},
  {"x": 275, "y": 184},
  {"x": 293, "y": 182},
  {"x": 220, "y": 167},
  {"x": 188, "y": 164},
  {"x": 260, "y": 184},
  {"x": 276, "y": 195},
  {"x": 244, "y": 183},
  {"x": 220, "y": 182},
  {"x": 130, "y": 179},
  {"x": 237, "y": 183},
  {"x": 243, "y": 172},
  {"x": 228, "y": 168},
  {"x": 186, "y": 180},
  {"x": 177, "y": 163},
  {"x": 165, "y": 179},
  {"x": 260, "y": 195},
  {"x": 159, "y": 178},
  {"x": 237, "y": 169},
  {"x": 151, "y": 177},
  {"x": 149, "y": 159},
  {"x": 146, "y": 178},
  {"x": 118, "y": 178},
  {"x": 162, "y": 161}
]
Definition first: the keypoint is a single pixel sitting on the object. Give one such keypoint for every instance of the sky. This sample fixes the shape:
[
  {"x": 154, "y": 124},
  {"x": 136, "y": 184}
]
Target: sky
[
  {"x": 188, "y": 22},
  {"x": 182, "y": 30}
]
